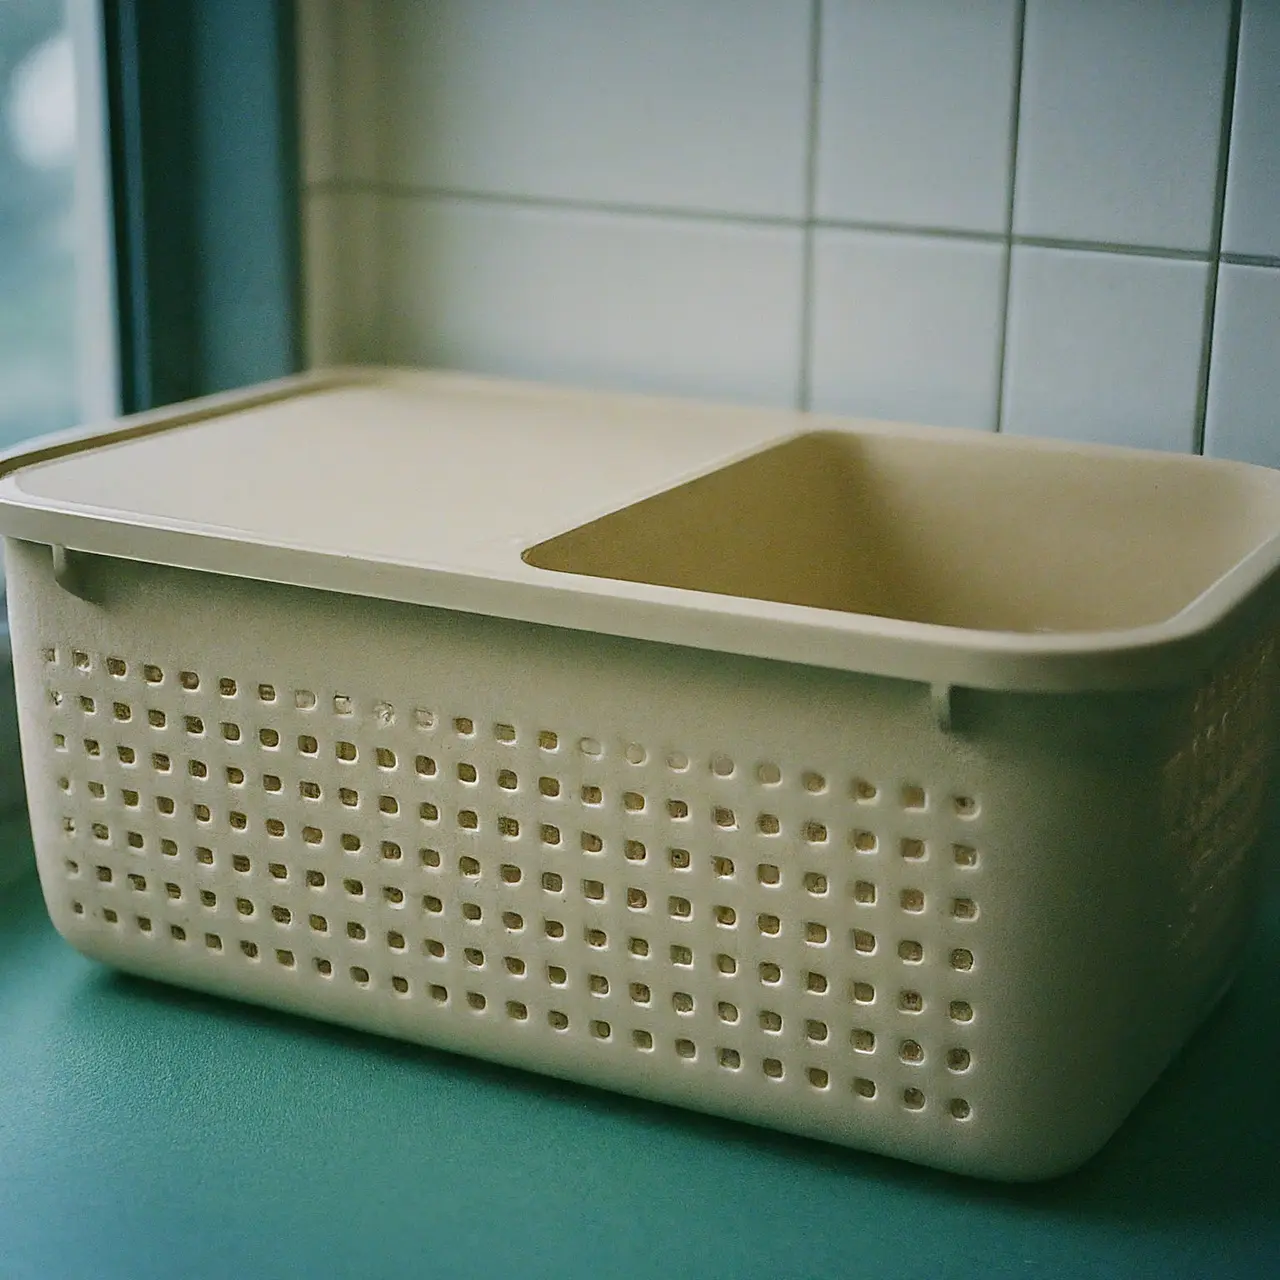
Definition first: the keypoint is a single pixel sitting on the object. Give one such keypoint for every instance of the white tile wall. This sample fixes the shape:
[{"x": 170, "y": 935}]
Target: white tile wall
[
  {"x": 1244, "y": 392},
  {"x": 1120, "y": 120},
  {"x": 907, "y": 327},
  {"x": 1104, "y": 347},
  {"x": 665, "y": 103},
  {"x": 916, "y": 109},
  {"x": 338, "y": 62},
  {"x": 622, "y": 300},
  {"x": 342, "y": 262},
  {"x": 1011, "y": 214},
  {"x": 1253, "y": 183}
]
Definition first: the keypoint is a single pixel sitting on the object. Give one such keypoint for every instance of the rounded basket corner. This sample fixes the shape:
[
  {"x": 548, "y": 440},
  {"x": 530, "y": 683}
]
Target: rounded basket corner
[{"x": 1042, "y": 1158}]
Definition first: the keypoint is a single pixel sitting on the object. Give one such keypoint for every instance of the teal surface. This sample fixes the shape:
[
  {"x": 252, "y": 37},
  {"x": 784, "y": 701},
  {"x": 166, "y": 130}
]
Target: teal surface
[{"x": 146, "y": 1132}]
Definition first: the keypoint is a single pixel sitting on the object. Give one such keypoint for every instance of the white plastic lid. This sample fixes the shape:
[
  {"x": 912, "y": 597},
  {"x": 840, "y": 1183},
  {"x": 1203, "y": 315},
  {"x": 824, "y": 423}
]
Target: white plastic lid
[{"x": 465, "y": 494}]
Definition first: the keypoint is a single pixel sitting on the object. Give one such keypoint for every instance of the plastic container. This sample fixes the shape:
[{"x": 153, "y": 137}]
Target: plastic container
[{"x": 896, "y": 787}]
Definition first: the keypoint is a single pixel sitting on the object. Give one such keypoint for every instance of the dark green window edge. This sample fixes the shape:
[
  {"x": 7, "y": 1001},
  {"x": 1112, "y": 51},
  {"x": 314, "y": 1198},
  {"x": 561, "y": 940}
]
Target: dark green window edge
[
  {"x": 203, "y": 137},
  {"x": 204, "y": 167}
]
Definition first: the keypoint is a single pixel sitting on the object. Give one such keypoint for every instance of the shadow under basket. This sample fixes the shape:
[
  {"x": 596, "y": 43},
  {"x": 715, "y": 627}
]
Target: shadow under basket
[{"x": 896, "y": 787}]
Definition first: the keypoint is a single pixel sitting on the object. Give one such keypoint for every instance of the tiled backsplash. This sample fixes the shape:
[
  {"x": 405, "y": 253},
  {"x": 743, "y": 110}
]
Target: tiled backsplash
[{"x": 1050, "y": 217}]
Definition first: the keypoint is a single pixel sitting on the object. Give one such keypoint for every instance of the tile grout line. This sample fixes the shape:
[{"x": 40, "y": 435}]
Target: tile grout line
[
  {"x": 804, "y": 388},
  {"x": 568, "y": 204},
  {"x": 777, "y": 222},
  {"x": 1002, "y": 329},
  {"x": 1115, "y": 248},
  {"x": 374, "y": 32},
  {"x": 571, "y": 204},
  {"x": 1200, "y": 425},
  {"x": 346, "y": 187},
  {"x": 1267, "y": 261}
]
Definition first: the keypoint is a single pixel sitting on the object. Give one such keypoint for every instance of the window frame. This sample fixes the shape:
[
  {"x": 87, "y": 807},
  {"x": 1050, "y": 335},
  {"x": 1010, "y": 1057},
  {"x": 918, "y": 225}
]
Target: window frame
[
  {"x": 200, "y": 265},
  {"x": 203, "y": 127}
]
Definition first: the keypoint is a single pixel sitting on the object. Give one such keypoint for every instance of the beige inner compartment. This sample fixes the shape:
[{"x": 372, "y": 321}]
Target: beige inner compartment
[{"x": 964, "y": 534}]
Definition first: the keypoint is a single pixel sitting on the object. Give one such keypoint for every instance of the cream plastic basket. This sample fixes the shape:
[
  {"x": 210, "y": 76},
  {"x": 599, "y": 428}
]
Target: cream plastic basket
[{"x": 892, "y": 786}]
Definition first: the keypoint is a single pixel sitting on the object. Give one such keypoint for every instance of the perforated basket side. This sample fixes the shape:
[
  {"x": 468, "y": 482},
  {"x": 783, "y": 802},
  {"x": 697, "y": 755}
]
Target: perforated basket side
[
  {"x": 1216, "y": 785},
  {"x": 770, "y": 891}
]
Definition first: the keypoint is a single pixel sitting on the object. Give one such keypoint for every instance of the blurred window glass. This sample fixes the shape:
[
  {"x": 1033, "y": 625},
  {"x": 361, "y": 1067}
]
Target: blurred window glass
[
  {"x": 57, "y": 292},
  {"x": 56, "y": 314}
]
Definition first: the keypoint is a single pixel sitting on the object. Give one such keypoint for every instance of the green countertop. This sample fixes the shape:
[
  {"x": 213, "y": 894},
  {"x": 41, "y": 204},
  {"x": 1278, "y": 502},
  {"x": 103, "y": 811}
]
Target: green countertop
[{"x": 145, "y": 1131}]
